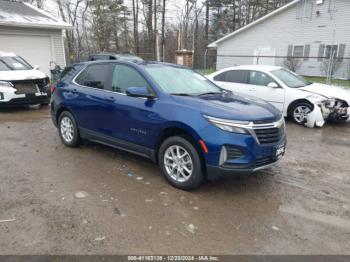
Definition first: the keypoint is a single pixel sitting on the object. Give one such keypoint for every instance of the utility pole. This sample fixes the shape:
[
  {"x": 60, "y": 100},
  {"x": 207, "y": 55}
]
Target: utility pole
[
  {"x": 207, "y": 21},
  {"x": 135, "y": 12},
  {"x": 155, "y": 33},
  {"x": 150, "y": 29},
  {"x": 163, "y": 32}
]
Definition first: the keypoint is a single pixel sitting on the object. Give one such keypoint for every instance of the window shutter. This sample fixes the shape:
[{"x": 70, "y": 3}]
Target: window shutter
[
  {"x": 290, "y": 51},
  {"x": 341, "y": 52},
  {"x": 321, "y": 52},
  {"x": 306, "y": 52}
]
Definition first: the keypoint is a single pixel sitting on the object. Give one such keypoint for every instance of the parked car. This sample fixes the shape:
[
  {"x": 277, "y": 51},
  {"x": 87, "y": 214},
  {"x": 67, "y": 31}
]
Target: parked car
[
  {"x": 20, "y": 83},
  {"x": 112, "y": 56},
  {"x": 189, "y": 126},
  {"x": 287, "y": 91}
]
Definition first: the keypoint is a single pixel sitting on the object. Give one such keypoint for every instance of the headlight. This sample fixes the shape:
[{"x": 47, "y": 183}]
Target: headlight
[
  {"x": 5, "y": 84},
  {"x": 239, "y": 127}
]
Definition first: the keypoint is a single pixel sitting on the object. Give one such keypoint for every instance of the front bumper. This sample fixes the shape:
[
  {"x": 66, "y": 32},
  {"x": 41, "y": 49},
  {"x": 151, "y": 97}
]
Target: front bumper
[
  {"x": 216, "y": 172},
  {"x": 25, "y": 100},
  {"x": 244, "y": 154}
]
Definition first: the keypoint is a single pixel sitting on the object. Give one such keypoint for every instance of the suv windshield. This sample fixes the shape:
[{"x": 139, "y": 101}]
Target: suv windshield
[
  {"x": 181, "y": 81},
  {"x": 289, "y": 78},
  {"x": 9, "y": 63}
]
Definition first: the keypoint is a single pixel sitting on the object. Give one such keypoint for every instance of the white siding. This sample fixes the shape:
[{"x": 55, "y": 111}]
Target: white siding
[
  {"x": 284, "y": 29},
  {"x": 55, "y": 43}
]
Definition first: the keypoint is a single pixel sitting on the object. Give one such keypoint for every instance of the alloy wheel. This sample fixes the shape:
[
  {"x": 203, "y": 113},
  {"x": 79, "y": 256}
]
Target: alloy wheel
[
  {"x": 67, "y": 129},
  {"x": 300, "y": 113},
  {"x": 178, "y": 163}
]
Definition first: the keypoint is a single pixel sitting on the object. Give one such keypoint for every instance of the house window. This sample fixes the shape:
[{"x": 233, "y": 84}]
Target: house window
[
  {"x": 298, "y": 51},
  {"x": 331, "y": 51}
]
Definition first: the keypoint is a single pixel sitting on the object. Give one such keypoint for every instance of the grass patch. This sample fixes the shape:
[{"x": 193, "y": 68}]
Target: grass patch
[
  {"x": 205, "y": 71},
  {"x": 322, "y": 80}
]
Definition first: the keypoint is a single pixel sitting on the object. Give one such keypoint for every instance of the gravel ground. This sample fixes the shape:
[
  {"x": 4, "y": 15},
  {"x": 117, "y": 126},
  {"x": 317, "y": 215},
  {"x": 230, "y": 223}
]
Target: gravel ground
[{"x": 98, "y": 200}]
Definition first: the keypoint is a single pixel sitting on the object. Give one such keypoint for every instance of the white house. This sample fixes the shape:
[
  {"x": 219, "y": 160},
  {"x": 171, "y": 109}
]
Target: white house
[
  {"x": 31, "y": 33},
  {"x": 310, "y": 30}
]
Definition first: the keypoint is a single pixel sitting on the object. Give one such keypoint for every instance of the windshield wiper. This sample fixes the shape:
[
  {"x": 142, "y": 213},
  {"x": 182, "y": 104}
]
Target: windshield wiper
[
  {"x": 209, "y": 93},
  {"x": 180, "y": 94}
]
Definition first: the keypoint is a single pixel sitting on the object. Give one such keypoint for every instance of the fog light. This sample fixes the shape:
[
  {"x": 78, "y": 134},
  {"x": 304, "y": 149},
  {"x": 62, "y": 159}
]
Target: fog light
[
  {"x": 1, "y": 96},
  {"x": 223, "y": 155}
]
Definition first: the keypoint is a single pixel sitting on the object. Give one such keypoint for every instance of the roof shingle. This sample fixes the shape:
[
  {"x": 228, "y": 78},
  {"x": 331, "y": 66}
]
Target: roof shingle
[{"x": 18, "y": 13}]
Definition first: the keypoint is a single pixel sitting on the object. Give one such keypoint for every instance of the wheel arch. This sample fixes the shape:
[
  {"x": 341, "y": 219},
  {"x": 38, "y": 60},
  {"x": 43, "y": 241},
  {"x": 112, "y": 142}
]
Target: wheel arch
[
  {"x": 60, "y": 111},
  {"x": 298, "y": 101},
  {"x": 179, "y": 129}
]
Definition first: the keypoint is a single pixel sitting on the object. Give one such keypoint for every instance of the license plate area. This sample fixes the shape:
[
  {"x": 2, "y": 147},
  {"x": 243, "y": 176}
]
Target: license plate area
[{"x": 279, "y": 151}]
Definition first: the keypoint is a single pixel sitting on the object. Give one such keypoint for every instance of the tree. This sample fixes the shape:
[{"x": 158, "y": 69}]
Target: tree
[
  {"x": 135, "y": 13},
  {"x": 292, "y": 63}
]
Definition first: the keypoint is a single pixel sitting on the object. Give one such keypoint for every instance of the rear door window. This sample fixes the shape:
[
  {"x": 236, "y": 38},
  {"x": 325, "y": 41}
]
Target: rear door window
[
  {"x": 233, "y": 76},
  {"x": 96, "y": 76},
  {"x": 237, "y": 76}
]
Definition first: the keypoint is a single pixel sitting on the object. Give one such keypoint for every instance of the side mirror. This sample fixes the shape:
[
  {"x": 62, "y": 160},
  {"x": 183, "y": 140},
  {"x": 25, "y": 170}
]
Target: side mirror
[
  {"x": 273, "y": 85},
  {"x": 139, "y": 92},
  {"x": 36, "y": 67}
]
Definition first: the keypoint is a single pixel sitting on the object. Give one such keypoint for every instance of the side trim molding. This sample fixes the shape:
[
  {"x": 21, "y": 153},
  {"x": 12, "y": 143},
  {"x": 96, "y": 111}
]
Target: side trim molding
[{"x": 117, "y": 143}]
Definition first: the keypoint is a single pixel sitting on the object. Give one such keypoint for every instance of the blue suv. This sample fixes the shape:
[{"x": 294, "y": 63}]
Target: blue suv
[{"x": 189, "y": 126}]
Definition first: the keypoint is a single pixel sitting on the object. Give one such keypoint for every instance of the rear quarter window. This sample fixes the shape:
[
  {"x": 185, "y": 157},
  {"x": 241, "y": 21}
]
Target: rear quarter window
[
  {"x": 233, "y": 76},
  {"x": 69, "y": 72}
]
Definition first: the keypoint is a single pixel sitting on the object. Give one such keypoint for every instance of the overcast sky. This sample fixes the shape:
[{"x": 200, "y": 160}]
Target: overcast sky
[{"x": 173, "y": 8}]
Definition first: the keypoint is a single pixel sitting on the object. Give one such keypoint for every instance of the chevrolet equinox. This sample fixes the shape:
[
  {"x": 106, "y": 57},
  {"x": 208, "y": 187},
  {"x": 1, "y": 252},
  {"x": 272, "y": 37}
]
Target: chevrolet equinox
[{"x": 176, "y": 117}]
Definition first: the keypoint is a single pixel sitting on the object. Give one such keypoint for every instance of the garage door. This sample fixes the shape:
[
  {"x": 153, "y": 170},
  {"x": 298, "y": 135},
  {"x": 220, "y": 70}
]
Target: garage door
[{"x": 34, "y": 49}]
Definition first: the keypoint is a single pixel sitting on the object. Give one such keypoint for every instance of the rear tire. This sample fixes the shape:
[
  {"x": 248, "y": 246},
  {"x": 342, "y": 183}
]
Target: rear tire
[
  {"x": 68, "y": 129},
  {"x": 180, "y": 163}
]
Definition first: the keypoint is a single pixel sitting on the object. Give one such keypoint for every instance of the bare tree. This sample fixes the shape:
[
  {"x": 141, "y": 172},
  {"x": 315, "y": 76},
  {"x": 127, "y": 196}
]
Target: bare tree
[
  {"x": 292, "y": 63},
  {"x": 135, "y": 12},
  {"x": 163, "y": 31}
]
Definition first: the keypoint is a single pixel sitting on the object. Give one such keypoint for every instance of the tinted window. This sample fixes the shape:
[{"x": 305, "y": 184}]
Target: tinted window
[
  {"x": 97, "y": 76},
  {"x": 259, "y": 78},
  {"x": 237, "y": 76},
  {"x": 220, "y": 77},
  {"x": 69, "y": 71},
  {"x": 124, "y": 77}
]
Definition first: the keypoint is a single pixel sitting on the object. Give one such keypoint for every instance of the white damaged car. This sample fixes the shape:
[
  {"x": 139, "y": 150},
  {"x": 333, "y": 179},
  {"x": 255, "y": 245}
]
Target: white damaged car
[
  {"x": 306, "y": 103},
  {"x": 20, "y": 83}
]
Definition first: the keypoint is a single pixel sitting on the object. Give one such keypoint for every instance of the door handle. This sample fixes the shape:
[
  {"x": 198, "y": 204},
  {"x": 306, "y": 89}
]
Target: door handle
[{"x": 252, "y": 89}]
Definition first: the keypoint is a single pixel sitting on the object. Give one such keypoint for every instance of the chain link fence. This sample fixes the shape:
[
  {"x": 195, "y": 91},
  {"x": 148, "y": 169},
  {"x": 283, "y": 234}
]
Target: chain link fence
[{"x": 327, "y": 70}]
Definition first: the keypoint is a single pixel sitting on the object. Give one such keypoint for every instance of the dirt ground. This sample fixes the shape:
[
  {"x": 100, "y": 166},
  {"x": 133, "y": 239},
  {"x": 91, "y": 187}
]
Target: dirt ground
[{"x": 301, "y": 206}]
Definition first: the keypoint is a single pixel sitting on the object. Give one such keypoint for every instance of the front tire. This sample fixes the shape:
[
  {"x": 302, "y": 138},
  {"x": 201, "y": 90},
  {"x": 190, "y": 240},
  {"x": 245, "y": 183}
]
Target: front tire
[
  {"x": 180, "y": 163},
  {"x": 68, "y": 129},
  {"x": 299, "y": 111}
]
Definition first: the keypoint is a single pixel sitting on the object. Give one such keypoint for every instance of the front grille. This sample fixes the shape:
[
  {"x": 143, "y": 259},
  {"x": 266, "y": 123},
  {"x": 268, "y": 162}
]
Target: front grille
[
  {"x": 233, "y": 152},
  {"x": 263, "y": 162},
  {"x": 269, "y": 135},
  {"x": 26, "y": 88},
  {"x": 31, "y": 86}
]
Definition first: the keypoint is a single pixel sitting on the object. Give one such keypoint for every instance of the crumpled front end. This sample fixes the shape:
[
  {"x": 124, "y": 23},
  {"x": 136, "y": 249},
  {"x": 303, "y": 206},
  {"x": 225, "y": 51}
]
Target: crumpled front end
[{"x": 332, "y": 109}]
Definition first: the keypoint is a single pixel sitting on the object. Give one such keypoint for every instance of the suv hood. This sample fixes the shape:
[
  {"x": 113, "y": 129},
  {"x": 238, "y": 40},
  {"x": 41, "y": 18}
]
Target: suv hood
[
  {"x": 328, "y": 91},
  {"x": 230, "y": 106},
  {"x": 14, "y": 75}
]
